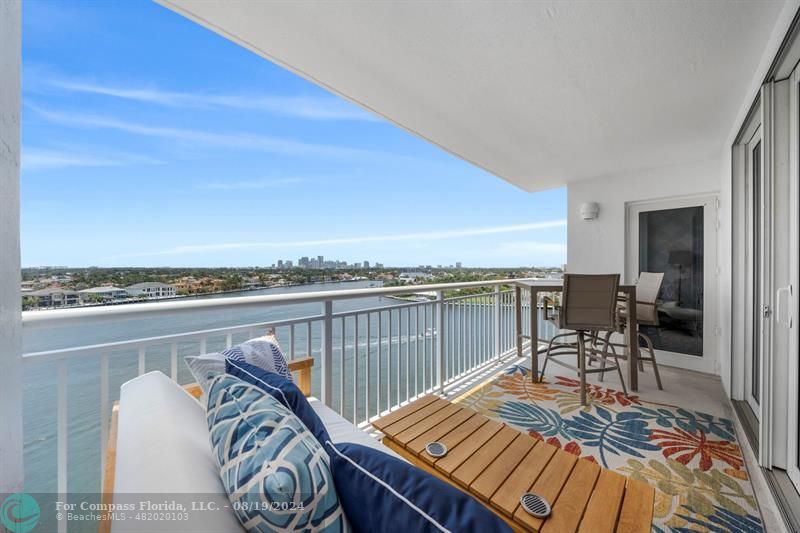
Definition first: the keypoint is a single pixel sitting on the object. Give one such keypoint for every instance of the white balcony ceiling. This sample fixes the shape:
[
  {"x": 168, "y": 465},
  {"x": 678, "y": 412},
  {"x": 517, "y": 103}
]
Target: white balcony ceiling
[{"x": 538, "y": 93}]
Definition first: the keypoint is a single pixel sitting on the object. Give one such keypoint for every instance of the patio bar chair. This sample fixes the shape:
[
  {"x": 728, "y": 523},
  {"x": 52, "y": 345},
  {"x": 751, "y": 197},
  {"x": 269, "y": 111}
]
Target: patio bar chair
[
  {"x": 648, "y": 287},
  {"x": 588, "y": 308}
]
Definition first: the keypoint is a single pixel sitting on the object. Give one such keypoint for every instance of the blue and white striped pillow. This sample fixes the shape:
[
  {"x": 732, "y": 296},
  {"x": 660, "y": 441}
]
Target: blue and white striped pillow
[
  {"x": 276, "y": 474},
  {"x": 262, "y": 352}
]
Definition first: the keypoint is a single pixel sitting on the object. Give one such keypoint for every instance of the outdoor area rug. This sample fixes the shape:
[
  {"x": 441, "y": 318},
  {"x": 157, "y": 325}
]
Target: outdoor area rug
[{"x": 692, "y": 459}]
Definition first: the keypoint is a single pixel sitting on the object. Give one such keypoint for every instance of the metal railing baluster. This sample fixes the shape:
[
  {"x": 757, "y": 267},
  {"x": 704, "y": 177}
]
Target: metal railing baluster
[
  {"x": 105, "y": 412},
  {"x": 327, "y": 351},
  {"x": 408, "y": 352},
  {"x": 367, "y": 368},
  {"x": 141, "y": 369},
  {"x": 425, "y": 348},
  {"x": 416, "y": 351},
  {"x": 389, "y": 364},
  {"x": 355, "y": 369},
  {"x": 341, "y": 366},
  {"x": 291, "y": 341},
  {"x": 61, "y": 433},
  {"x": 379, "y": 377},
  {"x": 173, "y": 361}
]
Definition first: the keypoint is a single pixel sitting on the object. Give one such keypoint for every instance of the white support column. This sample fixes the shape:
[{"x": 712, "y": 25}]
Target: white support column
[{"x": 11, "y": 469}]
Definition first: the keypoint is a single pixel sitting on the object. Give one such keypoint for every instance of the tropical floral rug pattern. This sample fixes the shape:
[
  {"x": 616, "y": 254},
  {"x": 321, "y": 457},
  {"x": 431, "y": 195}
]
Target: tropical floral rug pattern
[{"x": 692, "y": 459}]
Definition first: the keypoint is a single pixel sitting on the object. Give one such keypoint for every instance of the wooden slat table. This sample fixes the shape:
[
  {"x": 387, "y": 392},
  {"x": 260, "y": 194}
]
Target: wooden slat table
[{"x": 497, "y": 464}]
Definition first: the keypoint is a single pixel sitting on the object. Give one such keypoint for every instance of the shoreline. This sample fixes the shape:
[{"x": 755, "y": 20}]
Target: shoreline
[
  {"x": 413, "y": 297},
  {"x": 194, "y": 296}
]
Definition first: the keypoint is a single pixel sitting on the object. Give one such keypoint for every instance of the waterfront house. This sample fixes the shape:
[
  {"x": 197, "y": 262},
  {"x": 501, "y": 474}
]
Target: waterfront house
[
  {"x": 187, "y": 284},
  {"x": 414, "y": 277},
  {"x": 104, "y": 294},
  {"x": 151, "y": 290},
  {"x": 52, "y": 297},
  {"x": 675, "y": 128},
  {"x": 251, "y": 282}
]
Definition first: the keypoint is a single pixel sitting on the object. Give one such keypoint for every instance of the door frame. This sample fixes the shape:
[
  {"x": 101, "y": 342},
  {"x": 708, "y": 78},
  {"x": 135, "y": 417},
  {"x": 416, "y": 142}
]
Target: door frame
[
  {"x": 793, "y": 309},
  {"x": 709, "y": 362},
  {"x": 755, "y": 250},
  {"x": 759, "y": 122}
]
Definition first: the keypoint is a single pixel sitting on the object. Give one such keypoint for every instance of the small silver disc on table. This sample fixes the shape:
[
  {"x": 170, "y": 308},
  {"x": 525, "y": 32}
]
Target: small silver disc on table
[
  {"x": 535, "y": 505},
  {"x": 436, "y": 449}
]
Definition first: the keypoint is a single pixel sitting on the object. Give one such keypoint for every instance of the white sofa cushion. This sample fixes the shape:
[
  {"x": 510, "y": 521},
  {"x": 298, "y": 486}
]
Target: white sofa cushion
[
  {"x": 340, "y": 430},
  {"x": 163, "y": 451}
]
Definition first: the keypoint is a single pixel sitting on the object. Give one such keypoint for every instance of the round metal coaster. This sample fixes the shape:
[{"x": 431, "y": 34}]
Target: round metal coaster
[
  {"x": 436, "y": 449},
  {"x": 535, "y": 505}
]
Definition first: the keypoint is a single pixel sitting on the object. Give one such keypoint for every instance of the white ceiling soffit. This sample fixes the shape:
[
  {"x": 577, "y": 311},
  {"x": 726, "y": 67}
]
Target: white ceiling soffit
[{"x": 538, "y": 93}]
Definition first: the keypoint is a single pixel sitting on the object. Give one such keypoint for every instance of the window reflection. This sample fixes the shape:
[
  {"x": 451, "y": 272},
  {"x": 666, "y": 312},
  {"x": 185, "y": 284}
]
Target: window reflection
[{"x": 671, "y": 241}]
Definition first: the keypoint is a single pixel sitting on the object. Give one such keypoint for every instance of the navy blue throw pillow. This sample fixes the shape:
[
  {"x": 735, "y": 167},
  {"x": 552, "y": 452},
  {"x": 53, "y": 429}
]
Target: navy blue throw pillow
[
  {"x": 284, "y": 391},
  {"x": 382, "y": 493}
]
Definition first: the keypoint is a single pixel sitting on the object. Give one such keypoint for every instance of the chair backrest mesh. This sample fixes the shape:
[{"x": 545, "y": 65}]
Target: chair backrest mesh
[
  {"x": 647, "y": 289},
  {"x": 589, "y": 301}
]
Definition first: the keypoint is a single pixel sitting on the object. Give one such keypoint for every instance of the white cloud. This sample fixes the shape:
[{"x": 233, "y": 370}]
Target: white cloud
[
  {"x": 245, "y": 141},
  {"x": 42, "y": 159},
  {"x": 313, "y": 108},
  {"x": 418, "y": 237},
  {"x": 276, "y": 183}
]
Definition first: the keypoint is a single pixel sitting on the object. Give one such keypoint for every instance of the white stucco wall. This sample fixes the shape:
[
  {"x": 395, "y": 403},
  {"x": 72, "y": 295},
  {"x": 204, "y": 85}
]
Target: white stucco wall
[
  {"x": 11, "y": 469},
  {"x": 598, "y": 246}
]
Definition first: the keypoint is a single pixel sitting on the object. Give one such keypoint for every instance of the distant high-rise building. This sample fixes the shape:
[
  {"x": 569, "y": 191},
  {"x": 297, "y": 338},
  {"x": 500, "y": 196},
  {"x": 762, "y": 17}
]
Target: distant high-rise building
[
  {"x": 320, "y": 261},
  {"x": 378, "y": 265},
  {"x": 280, "y": 263},
  {"x": 288, "y": 263},
  {"x": 458, "y": 265},
  {"x": 366, "y": 264},
  {"x": 303, "y": 262}
]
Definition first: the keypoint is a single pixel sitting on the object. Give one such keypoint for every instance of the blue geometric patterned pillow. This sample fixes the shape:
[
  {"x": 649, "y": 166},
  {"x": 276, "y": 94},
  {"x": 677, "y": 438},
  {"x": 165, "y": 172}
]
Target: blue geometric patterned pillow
[
  {"x": 282, "y": 390},
  {"x": 262, "y": 352},
  {"x": 276, "y": 474}
]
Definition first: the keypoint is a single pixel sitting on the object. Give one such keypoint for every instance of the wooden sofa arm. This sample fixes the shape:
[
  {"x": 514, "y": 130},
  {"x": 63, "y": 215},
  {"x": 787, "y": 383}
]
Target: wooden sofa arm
[{"x": 302, "y": 373}]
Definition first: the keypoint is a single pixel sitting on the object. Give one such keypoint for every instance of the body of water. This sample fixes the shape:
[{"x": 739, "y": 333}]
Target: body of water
[
  {"x": 402, "y": 363},
  {"x": 83, "y": 401}
]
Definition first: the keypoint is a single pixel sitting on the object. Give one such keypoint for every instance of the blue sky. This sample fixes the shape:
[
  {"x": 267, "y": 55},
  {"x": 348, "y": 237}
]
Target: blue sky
[{"x": 151, "y": 141}]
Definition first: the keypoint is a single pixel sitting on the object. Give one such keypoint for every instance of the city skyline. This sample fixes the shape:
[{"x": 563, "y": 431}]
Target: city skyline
[{"x": 184, "y": 149}]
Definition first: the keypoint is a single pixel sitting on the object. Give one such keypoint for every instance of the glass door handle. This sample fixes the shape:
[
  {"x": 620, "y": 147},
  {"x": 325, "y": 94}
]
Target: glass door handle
[{"x": 783, "y": 297}]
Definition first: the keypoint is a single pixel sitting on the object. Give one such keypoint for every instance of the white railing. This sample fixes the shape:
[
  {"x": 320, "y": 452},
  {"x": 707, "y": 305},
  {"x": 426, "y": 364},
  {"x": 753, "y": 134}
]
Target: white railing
[{"x": 368, "y": 361}]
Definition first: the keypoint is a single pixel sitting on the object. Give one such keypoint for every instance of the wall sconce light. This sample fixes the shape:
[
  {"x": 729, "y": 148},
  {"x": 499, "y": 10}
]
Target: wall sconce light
[{"x": 589, "y": 210}]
